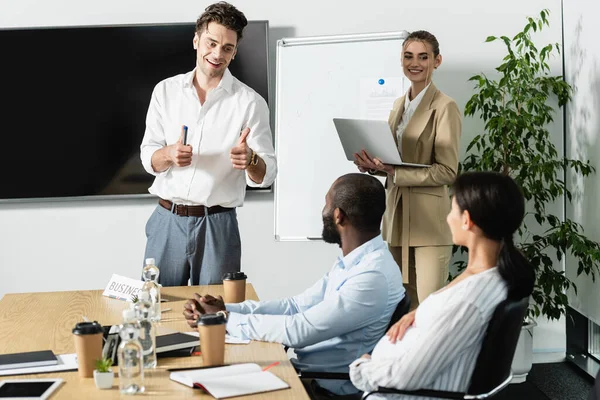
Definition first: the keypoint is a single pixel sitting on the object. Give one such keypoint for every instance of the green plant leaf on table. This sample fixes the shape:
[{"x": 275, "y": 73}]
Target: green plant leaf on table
[{"x": 104, "y": 364}]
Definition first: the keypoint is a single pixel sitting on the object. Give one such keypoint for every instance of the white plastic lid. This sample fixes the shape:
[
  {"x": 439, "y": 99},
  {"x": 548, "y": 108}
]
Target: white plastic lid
[
  {"x": 128, "y": 314},
  {"x": 150, "y": 261}
]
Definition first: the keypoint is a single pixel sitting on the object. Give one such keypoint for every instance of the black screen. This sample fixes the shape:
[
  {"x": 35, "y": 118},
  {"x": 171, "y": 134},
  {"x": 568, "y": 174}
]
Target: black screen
[
  {"x": 74, "y": 102},
  {"x": 24, "y": 389}
]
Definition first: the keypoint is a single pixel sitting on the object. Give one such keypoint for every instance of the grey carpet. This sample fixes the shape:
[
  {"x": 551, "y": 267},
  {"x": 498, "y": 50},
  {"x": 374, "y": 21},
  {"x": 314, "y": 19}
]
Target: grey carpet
[
  {"x": 525, "y": 390},
  {"x": 554, "y": 381},
  {"x": 560, "y": 381}
]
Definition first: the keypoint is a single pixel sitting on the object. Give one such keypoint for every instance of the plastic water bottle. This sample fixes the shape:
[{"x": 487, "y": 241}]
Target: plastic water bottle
[
  {"x": 143, "y": 312},
  {"x": 131, "y": 364},
  {"x": 151, "y": 285}
]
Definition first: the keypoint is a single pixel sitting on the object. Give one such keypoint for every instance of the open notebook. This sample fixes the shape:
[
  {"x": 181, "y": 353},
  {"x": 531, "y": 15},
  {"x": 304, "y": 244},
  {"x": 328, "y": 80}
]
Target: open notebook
[{"x": 230, "y": 381}]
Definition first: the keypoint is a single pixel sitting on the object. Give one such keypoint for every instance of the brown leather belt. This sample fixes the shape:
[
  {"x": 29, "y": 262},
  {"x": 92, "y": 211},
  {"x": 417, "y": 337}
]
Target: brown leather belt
[{"x": 191, "y": 211}]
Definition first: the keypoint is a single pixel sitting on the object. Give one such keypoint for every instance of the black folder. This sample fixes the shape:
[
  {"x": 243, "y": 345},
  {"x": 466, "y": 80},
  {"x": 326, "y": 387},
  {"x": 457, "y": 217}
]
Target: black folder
[{"x": 28, "y": 359}]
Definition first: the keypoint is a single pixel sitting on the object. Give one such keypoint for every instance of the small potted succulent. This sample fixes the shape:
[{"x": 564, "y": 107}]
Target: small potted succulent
[{"x": 103, "y": 374}]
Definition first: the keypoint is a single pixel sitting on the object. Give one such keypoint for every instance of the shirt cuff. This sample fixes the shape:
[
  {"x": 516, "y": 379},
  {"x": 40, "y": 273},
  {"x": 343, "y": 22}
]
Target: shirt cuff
[
  {"x": 235, "y": 322},
  {"x": 146, "y": 158},
  {"x": 356, "y": 376},
  {"x": 270, "y": 172},
  {"x": 396, "y": 178},
  {"x": 234, "y": 307},
  {"x": 359, "y": 361}
]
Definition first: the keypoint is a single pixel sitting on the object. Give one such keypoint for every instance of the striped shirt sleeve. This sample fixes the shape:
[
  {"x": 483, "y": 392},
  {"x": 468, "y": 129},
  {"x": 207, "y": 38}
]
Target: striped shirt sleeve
[{"x": 457, "y": 329}]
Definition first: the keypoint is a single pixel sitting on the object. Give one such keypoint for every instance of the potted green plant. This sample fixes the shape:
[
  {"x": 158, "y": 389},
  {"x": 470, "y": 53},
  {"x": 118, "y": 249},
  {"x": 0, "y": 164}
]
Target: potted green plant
[
  {"x": 103, "y": 374},
  {"x": 516, "y": 108}
]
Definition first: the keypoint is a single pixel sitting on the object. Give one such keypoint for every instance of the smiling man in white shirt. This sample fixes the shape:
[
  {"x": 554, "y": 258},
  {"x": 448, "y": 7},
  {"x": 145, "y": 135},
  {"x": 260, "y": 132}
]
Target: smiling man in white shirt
[{"x": 207, "y": 136}]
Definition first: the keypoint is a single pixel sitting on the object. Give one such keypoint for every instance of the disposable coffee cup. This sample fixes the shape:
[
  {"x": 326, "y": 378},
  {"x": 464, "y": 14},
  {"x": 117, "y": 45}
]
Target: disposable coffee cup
[
  {"x": 88, "y": 346},
  {"x": 234, "y": 286},
  {"x": 211, "y": 328}
]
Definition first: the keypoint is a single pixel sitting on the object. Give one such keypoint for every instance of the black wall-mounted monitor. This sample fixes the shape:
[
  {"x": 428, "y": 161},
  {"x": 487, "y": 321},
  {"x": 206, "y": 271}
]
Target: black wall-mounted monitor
[{"x": 74, "y": 102}]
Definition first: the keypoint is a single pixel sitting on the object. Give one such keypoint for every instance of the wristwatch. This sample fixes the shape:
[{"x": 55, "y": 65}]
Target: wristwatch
[{"x": 253, "y": 159}]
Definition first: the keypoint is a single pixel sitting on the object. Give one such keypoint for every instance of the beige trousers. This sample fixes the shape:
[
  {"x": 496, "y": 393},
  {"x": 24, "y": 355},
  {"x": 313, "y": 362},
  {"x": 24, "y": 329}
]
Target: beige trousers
[{"x": 429, "y": 265}]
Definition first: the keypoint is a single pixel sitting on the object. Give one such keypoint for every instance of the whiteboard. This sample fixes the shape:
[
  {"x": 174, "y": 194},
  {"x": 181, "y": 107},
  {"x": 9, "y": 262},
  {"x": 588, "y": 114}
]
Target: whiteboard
[{"x": 318, "y": 79}]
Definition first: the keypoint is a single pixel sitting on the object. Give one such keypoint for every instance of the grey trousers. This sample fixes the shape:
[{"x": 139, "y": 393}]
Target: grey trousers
[{"x": 200, "y": 249}]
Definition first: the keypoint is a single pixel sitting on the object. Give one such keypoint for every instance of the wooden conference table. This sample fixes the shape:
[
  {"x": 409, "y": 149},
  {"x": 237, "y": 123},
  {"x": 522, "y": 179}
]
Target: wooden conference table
[{"x": 41, "y": 321}]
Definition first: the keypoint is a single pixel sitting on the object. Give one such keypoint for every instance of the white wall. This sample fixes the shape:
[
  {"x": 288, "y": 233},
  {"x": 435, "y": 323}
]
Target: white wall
[
  {"x": 78, "y": 244},
  {"x": 582, "y": 71}
]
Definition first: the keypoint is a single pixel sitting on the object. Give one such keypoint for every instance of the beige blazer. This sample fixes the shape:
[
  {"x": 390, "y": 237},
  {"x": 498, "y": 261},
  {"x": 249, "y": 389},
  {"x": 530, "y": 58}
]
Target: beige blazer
[{"x": 417, "y": 200}]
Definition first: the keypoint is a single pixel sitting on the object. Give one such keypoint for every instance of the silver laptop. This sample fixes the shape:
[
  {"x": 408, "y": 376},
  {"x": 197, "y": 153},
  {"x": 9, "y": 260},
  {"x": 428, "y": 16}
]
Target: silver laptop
[{"x": 373, "y": 136}]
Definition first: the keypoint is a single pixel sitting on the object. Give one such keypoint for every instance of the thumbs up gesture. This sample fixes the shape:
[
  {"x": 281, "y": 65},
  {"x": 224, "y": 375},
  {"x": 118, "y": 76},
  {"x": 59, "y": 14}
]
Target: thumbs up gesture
[
  {"x": 241, "y": 154},
  {"x": 180, "y": 154}
]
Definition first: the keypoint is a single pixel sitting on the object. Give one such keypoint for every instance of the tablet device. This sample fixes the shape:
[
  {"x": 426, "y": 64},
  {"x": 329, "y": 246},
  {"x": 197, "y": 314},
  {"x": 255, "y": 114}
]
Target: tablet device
[
  {"x": 28, "y": 389},
  {"x": 371, "y": 135}
]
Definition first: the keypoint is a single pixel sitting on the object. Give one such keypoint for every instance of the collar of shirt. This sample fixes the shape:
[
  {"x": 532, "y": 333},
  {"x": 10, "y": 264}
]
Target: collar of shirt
[
  {"x": 226, "y": 81},
  {"x": 416, "y": 101},
  {"x": 356, "y": 255}
]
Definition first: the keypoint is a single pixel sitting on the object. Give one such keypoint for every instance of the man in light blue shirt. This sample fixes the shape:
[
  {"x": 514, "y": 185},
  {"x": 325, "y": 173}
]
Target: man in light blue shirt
[{"x": 345, "y": 313}]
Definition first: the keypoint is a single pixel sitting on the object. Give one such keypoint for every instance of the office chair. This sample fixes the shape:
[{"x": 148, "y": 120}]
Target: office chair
[{"x": 492, "y": 370}]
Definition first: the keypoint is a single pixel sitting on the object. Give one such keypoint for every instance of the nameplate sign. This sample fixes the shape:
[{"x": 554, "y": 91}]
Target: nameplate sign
[{"x": 122, "y": 288}]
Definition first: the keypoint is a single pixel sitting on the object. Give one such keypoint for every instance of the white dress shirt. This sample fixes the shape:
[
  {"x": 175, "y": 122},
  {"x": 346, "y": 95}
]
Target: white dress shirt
[
  {"x": 439, "y": 352},
  {"x": 213, "y": 129},
  {"x": 339, "y": 318},
  {"x": 409, "y": 110}
]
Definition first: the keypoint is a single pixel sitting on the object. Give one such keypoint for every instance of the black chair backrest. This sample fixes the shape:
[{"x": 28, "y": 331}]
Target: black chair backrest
[
  {"x": 498, "y": 347},
  {"x": 402, "y": 308}
]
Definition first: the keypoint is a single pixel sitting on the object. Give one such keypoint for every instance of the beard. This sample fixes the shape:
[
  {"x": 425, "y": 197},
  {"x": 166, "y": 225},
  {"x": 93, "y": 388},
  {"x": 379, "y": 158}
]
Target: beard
[{"x": 330, "y": 234}]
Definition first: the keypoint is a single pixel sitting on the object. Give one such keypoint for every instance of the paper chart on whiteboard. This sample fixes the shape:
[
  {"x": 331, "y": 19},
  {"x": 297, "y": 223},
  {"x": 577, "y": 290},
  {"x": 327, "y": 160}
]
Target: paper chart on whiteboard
[{"x": 377, "y": 96}]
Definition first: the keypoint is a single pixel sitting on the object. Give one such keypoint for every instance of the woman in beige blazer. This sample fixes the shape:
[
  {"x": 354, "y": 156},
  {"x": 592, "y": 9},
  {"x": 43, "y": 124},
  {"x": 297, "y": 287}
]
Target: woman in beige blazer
[{"x": 426, "y": 125}]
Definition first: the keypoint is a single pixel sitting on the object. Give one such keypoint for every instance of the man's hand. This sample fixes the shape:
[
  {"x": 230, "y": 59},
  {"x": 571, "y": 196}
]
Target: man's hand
[
  {"x": 174, "y": 154},
  {"x": 210, "y": 304},
  {"x": 192, "y": 311},
  {"x": 398, "y": 330},
  {"x": 241, "y": 154},
  {"x": 365, "y": 162},
  {"x": 200, "y": 305},
  {"x": 366, "y": 356},
  {"x": 180, "y": 154}
]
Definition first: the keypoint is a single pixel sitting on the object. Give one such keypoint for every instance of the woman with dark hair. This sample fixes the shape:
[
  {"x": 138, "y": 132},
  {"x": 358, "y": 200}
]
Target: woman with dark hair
[
  {"x": 436, "y": 345},
  {"x": 426, "y": 125}
]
